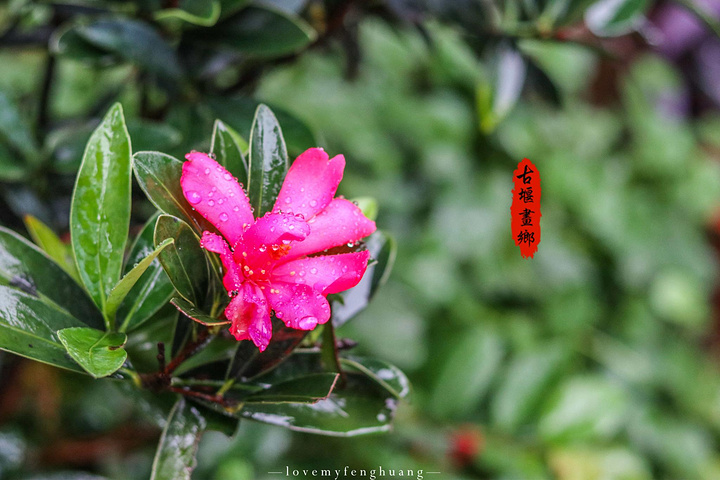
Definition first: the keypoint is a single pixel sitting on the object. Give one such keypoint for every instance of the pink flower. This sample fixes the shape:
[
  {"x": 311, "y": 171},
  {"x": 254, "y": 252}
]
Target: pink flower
[{"x": 272, "y": 263}]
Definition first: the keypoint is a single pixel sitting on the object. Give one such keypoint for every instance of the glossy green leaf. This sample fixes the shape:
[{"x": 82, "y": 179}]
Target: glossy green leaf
[
  {"x": 390, "y": 377},
  {"x": 211, "y": 361},
  {"x": 196, "y": 314},
  {"x": 262, "y": 32},
  {"x": 134, "y": 41},
  {"x": 305, "y": 389},
  {"x": 15, "y": 131},
  {"x": 361, "y": 407},
  {"x": 159, "y": 177},
  {"x": 175, "y": 456},
  {"x": 26, "y": 267},
  {"x": 615, "y": 17},
  {"x": 51, "y": 244},
  {"x": 183, "y": 261},
  {"x": 227, "y": 145},
  {"x": 28, "y": 325},
  {"x": 153, "y": 289},
  {"x": 383, "y": 248},
  {"x": 98, "y": 353},
  {"x": 497, "y": 96},
  {"x": 368, "y": 206},
  {"x": 100, "y": 211},
  {"x": 198, "y": 12},
  {"x": 268, "y": 161},
  {"x": 120, "y": 291}
]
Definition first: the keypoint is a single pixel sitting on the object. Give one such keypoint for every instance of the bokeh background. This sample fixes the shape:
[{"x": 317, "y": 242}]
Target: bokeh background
[{"x": 596, "y": 360}]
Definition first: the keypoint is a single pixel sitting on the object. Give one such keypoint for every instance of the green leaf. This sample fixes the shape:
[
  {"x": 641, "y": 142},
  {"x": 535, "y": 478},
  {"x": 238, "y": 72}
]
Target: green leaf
[
  {"x": 159, "y": 177},
  {"x": 183, "y": 261},
  {"x": 100, "y": 211},
  {"x": 615, "y": 17},
  {"x": 98, "y": 353},
  {"x": 67, "y": 42},
  {"x": 175, "y": 456},
  {"x": 227, "y": 145},
  {"x": 196, "y": 314},
  {"x": 305, "y": 389},
  {"x": 28, "y": 325},
  {"x": 120, "y": 291},
  {"x": 383, "y": 248},
  {"x": 496, "y": 97},
  {"x": 152, "y": 291},
  {"x": 46, "y": 239},
  {"x": 390, "y": 377},
  {"x": 368, "y": 206},
  {"x": 26, "y": 267},
  {"x": 12, "y": 168},
  {"x": 261, "y": 32},
  {"x": 146, "y": 135},
  {"x": 15, "y": 130},
  {"x": 268, "y": 161},
  {"x": 134, "y": 41},
  {"x": 361, "y": 407},
  {"x": 197, "y": 12}
]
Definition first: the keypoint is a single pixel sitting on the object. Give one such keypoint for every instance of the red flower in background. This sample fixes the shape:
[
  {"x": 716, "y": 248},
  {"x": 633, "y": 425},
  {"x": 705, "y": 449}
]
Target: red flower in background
[{"x": 270, "y": 262}]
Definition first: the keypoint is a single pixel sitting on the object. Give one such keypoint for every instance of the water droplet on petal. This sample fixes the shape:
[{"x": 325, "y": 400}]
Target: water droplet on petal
[
  {"x": 236, "y": 209},
  {"x": 211, "y": 203},
  {"x": 313, "y": 203},
  {"x": 288, "y": 200},
  {"x": 227, "y": 176},
  {"x": 313, "y": 270},
  {"x": 308, "y": 323},
  {"x": 220, "y": 201},
  {"x": 207, "y": 171},
  {"x": 223, "y": 217},
  {"x": 262, "y": 248},
  {"x": 194, "y": 197}
]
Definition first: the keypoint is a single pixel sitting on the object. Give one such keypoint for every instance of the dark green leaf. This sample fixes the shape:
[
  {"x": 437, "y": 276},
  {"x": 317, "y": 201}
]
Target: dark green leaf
[
  {"x": 198, "y": 12},
  {"x": 120, "y": 291},
  {"x": 175, "y": 456},
  {"x": 46, "y": 239},
  {"x": 615, "y": 17},
  {"x": 383, "y": 248},
  {"x": 261, "y": 32},
  {"x": 390, "y": 377},
  {"x": 15, "y": 131},
  {"x": 152, "y": 291},
  {"x": 28, "y": 325},
  {"x": 227, "y": 145},
  {"x": 134, "y": 41},
  {"x": 159, "y": 177},
  {"x": 196, "y": 314},
  {"x": 12, "y": 168},
  {"x": 497, "y": 97},
  {"x": 100, "y": 211},
  {"x": 361, "y": 407},
  {"x": 25, "y": 266},
  {"x": 67, "y": 42},
  {"x": 98, "y": 353},
  {"x": 268, "y": 161},
  {"x": 184, "y": 261},
  {"x": 306, "y": 389},
  {"x": 148, "y": 135}
]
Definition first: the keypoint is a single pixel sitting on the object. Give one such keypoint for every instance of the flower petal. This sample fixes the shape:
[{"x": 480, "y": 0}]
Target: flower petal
[
  {"x": 215, "y": 243},
  {"x": 268, "y": 239},
  {"x": 327, "y": 273},
  {"x": 297, "y": 305},
  {"x": 341, "y": 222},
  {"x": 310, "y": 184},
  {"x": 250, "y": 316},
  {"x": 216, "y": 194}
]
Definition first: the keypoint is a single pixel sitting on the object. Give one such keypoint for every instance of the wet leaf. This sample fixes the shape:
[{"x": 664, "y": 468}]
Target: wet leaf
[
  {"x": 120, "y": 291},
  {"x": 25, "y": 266},
  {"x": 100, "y": 211},
  {"x": 153, "y": 289},
  {"x": 175, "y": 456},
  {"x": 390, "y": 377},
  {"x": 28, "y": 325},
  {"x": 197, "y": 12},
  {"x": 305, "y": 389},
  {"x": 159, "y": 177},
  {"x": 15, "y": 131},
  {"x": 268, "y": 161},
  {"x": 361, "y": 407},
  {"x": 98, "y": 353},
  {"x": 183, "y": 261},
  {"x": 196, "y": 314},
  {"x": 228, "y": 145}
]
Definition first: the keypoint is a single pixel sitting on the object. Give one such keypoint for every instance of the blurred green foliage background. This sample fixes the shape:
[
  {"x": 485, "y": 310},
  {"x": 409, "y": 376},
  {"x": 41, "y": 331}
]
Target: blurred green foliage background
[{"x": 597, "y": 359}]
